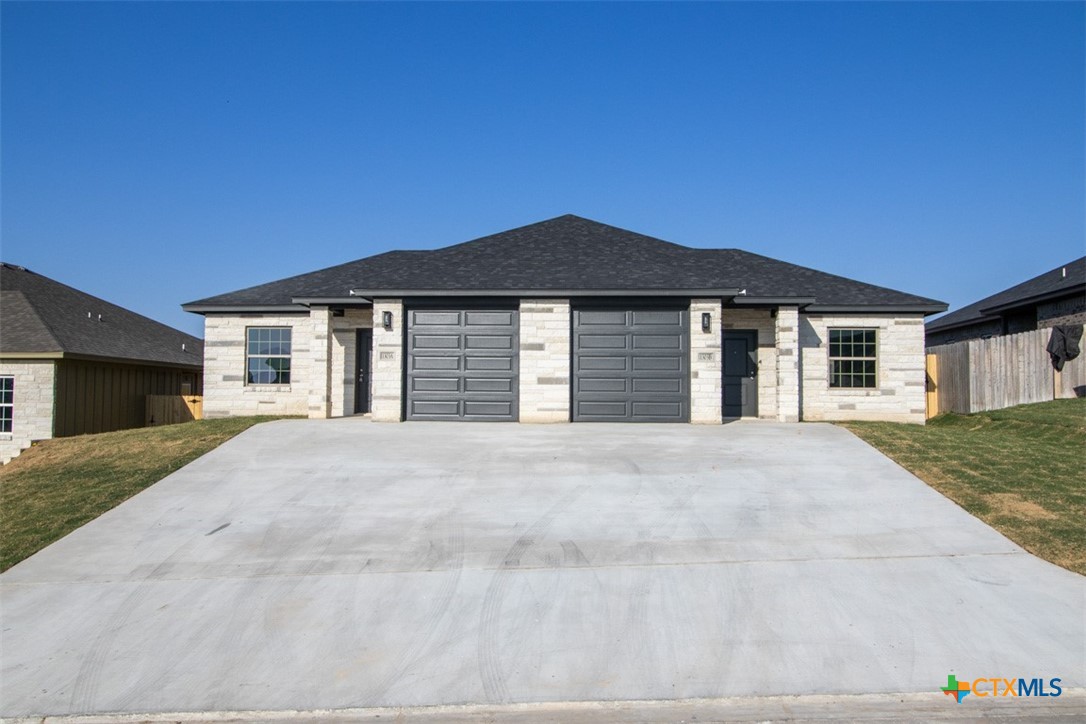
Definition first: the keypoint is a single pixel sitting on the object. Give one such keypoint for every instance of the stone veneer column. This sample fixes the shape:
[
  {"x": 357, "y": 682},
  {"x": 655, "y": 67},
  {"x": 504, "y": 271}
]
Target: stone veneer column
[
  {"x": 544, "y": 360},
  {"x": 706, "y": 394},
  {"x": 788, "y": 379},
  {"x": 388, "y": 344},
  {"x": 320, "y": 349}
]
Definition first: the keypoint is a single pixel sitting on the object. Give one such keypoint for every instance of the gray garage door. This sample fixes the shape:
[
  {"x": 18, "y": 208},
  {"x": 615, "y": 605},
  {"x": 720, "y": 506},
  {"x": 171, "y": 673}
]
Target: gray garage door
[
  {"x": 462, "y": 364},
  {"x": 631, "y": 365}
]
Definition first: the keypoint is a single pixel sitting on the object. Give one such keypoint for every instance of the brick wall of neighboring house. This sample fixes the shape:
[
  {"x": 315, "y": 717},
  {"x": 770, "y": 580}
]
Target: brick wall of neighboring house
[
  {"x": 34, "y": 399},
  {"x": 988, "y": 328},
  {"x": 544, "y": 360},
  {"x": 1062, "y": 311},
  {"x": 900, "y": 394},
  {"x": 226, "y": 392}
]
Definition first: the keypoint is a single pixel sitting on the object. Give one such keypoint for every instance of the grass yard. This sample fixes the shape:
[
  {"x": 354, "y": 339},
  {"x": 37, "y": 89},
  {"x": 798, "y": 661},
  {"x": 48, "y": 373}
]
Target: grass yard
[
  {"x": 58, "y": 485},
  {"x": 1021, "y": 470}
]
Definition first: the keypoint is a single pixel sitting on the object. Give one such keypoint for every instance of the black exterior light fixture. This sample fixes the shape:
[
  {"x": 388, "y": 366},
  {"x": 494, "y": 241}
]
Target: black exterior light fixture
[
  {"x": 386, "y": 320},
  {"x": 706, "y": 321}
]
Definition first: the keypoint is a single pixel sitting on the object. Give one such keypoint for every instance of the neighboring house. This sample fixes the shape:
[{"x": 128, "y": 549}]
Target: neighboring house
[
  {"x": 1055, "y": 297},
  {"x": 567, "y": 320},
  {"x": 71, "y": 363}
]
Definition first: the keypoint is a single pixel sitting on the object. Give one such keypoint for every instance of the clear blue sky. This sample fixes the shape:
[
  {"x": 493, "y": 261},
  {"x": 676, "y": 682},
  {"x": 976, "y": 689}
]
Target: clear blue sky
[{"x": 157, "y": 153}]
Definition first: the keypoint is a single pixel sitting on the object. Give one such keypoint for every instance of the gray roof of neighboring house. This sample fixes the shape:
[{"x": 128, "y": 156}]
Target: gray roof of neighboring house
[
  {"x": 41, "y": 316},
  {"x": 1051, "y": 285},
  {"x": 572, "y": 256}
]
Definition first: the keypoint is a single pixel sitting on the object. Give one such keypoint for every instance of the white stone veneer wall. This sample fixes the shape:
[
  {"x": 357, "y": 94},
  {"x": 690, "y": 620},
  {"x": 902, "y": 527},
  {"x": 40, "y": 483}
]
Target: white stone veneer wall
[
  {"x": 343, "y": 362},
  {"x": 388, "y": 362},
  {"x": 899, "y": 396},
  {"x": 544, "y": 360},
  {"x": 225, "y": 391},
  {"x": 34, "y": 399},
  {"x": 761, "y": 321},
  {"x": 788, "y": 364},
  {"x": 706, "y": 384}
]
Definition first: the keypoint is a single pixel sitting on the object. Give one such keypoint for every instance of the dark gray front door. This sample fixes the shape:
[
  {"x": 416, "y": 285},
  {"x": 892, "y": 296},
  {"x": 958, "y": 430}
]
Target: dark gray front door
[
  {"x": 631, "y": 365},
  {"x": 462, "y": 364},
  {"x": 740, "y": 373},
  {"x": 362, "y": 349}
]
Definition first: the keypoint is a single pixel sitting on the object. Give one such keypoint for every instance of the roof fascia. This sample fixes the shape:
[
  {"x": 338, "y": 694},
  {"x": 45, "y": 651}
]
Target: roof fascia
[
  {"x": 243, "y": 308},
  {"x": 749, "y": 301},
  {"x": 924, "y": 309},
  {"x": 544, "y": 293},
  {"x": 333, "y": 301},
  {"x": 1036, "y": 298},
  {"x": 31, "y": 355}
]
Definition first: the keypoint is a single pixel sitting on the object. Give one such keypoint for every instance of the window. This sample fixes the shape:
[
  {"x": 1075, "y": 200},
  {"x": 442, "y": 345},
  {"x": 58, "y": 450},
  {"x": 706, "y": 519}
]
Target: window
[
  {"x": 852, "y": 358},
  {"x": 267, "y": 361},
  {"x": 7, "y": 402}
]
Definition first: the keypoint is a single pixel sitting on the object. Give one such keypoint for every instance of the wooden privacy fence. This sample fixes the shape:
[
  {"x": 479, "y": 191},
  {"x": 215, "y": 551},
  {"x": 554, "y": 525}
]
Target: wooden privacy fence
[
  {"x": 172, "y": 409},
  {"x": 990, "y": 374}
]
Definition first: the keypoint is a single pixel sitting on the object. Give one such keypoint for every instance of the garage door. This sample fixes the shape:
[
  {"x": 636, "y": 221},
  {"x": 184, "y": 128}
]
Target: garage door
[
  {"x": 462, "y": 364},
  {"x": 631, "y": 365}
]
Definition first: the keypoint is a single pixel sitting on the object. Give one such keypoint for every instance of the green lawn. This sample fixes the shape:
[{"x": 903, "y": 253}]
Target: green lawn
[
  {"x": 1021, "y": 470},
  {"x": 58, "y": 485}
]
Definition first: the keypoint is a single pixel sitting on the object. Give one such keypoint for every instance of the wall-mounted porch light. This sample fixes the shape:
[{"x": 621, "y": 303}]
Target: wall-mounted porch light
[
  {"x": 386, "y": 320},
  {"x": 706, "y": 321}
]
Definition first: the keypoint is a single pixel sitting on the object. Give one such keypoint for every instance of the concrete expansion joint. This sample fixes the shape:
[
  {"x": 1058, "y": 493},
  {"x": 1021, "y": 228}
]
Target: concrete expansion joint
[{"x": 543, "y": 566}]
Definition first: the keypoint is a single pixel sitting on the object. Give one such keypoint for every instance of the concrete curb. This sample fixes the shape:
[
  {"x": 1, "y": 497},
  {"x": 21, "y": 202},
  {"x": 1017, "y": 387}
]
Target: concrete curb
[{"x": 927, "y": 706}]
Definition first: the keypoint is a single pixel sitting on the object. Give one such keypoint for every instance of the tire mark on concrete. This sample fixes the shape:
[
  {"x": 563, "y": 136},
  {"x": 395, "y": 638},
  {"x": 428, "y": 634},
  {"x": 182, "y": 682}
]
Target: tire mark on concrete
[
  {"x": 489, "y": 655},
  {"x": 410, "y": 655}
]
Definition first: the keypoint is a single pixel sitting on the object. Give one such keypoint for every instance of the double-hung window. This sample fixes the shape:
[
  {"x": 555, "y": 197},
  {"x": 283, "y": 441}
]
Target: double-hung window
[
  {"x": 853, "y": 358},
  {"x": 7, "y": 403},
  {"x": 267, "y": 358}
]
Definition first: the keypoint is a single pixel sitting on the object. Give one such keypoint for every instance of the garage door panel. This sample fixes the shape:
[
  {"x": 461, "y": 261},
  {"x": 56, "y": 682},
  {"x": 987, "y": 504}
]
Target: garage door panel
[
  {"x": 444, "y": 364},
  {"x": 663, "y": 410},
  {"x": 475, "y": 341},
  {"x": 631, "y": 365},
  {"x": 433, "y": 341},
  {"x": 432, "y": 319},
  {"x": 496, "y": 364},
  {"x": 648, "y": 384},
  {"x": 488, "y": 319},
  {"x": 429, "y": 384},
  {"x": 480, "y": 408},
  {"x": 658, "y": 364},
  {"x": 609, "y": 317},
  {"x": 477, "y": 384},
  {"x": 657, "y": 341},
  {"x": 462, "y": 364},
  {"x": 602, "y": 385},
  {"x": 614, "y": 410},
  {"x": 603, "y": 341},
  {"x": 587, "y": 363},
  {"x": 668, "y": 318},
  {"x": 443, "y": 408}
]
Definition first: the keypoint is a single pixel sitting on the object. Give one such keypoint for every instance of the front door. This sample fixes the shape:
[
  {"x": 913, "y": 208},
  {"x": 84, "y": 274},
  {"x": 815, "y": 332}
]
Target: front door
[
  {"x": 740, "y": 373},
  {"x": 362, "y": 349}
]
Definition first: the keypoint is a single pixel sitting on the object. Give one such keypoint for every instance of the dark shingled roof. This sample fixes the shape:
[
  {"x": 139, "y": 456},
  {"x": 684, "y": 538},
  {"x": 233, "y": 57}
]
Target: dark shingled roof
[
  {"x": 568, "y": 254},
  {"x": 42, "y": 316},
  {"x": 1050, "y": 285}
]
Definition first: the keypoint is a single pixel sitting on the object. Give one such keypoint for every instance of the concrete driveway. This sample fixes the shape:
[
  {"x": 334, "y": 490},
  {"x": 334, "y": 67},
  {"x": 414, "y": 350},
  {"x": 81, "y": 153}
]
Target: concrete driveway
[{"x": 344, "y": 564}]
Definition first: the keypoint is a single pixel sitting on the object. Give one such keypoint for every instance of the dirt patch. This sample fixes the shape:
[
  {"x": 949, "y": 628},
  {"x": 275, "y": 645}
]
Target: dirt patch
[{"x": 1011, "y": 504}]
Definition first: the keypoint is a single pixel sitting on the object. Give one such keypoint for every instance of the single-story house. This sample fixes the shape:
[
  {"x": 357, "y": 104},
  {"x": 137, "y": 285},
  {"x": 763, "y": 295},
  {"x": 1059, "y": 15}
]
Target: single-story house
[
  {"x": 567, "y": 320},
  {"x": 1056, "y": 297},
  {"x": 71, "y": 363}
]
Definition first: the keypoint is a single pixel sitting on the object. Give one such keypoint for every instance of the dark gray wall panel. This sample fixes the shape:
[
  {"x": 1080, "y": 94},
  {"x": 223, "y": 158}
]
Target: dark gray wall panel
[
  {"x": 462, "y": 364},
  {"x": 631, "y": 365}
]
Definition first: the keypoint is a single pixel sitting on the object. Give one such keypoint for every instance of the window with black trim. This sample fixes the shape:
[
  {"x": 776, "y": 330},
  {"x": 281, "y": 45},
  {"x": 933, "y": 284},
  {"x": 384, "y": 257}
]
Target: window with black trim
[
  {"x": 267, "y": 359},
  {"x": 853, "y": 358},
  {"x": 7, "y": 402}
]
